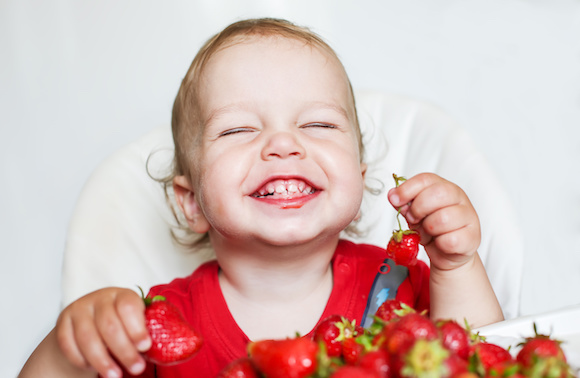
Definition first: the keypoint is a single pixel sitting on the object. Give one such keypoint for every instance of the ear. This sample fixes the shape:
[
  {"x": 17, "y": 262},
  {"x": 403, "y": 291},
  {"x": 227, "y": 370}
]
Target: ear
[
  {"x": 363, "y": 169},
  {"x": 186, "y": 201}
]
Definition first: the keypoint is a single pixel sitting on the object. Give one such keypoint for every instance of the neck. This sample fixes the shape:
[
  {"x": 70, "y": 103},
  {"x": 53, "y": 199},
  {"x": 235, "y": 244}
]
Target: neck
[
  {"x": 267, "y": 272},
  {"x": 263, "y": 287}
]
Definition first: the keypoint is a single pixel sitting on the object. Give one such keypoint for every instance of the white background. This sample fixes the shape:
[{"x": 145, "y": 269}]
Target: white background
[{"x": 79, "y": 79}]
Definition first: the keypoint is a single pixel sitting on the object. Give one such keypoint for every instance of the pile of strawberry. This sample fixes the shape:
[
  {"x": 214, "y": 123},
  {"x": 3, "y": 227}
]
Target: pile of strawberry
[{"x": 400, "y": 343}]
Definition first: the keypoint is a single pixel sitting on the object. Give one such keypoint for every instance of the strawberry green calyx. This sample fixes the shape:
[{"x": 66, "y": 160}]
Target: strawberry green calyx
[
  {"x": 325, "y": 364},
  {"x": 549, "y": 367},
  {"x": 426, "y": 359},
  {"x": 406, "y": 309},
  {"x": 474, "y": 338},
  {"x": 366, "y": 341},
  {"x": 149, "y": 300},
  {"x": 398, "y": 234},
  {"x": 347, "y": 328}
]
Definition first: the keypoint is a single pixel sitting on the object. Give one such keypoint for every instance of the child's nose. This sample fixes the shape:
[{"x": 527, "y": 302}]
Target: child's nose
[{"x": 282, "y": 145}]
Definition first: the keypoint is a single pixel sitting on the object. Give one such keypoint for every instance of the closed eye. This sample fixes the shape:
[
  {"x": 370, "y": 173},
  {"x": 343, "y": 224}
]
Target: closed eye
[
  {"x": 320, "y": 124},
  {"x": 236, "y": 130}
]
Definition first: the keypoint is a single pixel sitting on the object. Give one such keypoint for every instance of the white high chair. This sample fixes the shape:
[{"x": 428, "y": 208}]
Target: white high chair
[{"x": 119, "y": 234}]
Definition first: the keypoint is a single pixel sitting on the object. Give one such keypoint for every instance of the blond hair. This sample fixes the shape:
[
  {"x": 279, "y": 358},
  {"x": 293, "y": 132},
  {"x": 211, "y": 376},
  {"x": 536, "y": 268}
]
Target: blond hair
[{"x": 186, "y": 122}]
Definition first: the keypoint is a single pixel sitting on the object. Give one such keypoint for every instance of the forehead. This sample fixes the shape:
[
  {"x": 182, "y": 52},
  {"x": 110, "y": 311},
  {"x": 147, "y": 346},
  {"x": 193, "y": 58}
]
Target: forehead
[
  {"x": 265, "y": 68},
  {"x": 252, "y": 48}
]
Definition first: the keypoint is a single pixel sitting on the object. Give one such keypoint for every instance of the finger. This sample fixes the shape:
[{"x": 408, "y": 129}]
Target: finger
[
  {"x": 115, "y": 337},
  {"x": 67, "y": 343},
  {"x": 93, "y": 349},
  {"x": 433, "y": 198},
  {"x": 426, "y": 238},
  {"x": 458, "y": 242},
  {"x": 408, "y": 190},
  {"x": 446, "y": 220},
  {"x": 131, "y": 310}
]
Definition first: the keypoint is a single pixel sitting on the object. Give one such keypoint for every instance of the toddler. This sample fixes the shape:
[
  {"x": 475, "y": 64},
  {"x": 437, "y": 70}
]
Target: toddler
[{"x": 269, "y": 165}]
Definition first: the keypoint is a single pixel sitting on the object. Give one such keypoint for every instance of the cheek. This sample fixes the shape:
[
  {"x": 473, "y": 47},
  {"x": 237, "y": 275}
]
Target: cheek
[
  {"x": 357, "y": 183},
  {"x": 350, "y": 178},
  {"x": 219, "y": 182},
  {"x": 357, "y": 192}
]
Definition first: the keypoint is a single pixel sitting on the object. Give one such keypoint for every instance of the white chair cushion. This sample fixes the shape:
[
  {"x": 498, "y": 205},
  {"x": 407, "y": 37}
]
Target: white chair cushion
[{"x": 119, "y": 233}]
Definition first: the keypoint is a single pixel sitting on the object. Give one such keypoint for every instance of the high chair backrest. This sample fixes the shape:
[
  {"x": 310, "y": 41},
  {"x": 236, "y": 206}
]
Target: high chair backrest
[{"x": 119, "y": 234}]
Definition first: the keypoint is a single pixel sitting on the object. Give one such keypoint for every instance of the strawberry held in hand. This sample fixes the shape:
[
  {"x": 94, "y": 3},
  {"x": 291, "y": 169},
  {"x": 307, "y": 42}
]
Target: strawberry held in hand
[
  {"x": 173, "y": 339},
  {"x": 403, "y": 247}
]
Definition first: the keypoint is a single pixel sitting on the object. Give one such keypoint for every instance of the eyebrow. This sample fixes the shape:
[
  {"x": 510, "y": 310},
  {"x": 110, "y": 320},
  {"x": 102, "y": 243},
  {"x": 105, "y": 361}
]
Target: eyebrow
[
  {"x": 216, "y": 113},
  {"x": 336, "y": 108}
]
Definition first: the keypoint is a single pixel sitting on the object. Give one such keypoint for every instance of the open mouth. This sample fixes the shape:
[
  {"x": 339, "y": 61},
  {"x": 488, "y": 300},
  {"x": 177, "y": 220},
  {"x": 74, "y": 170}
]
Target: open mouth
[{"x": 284, "y": 189}]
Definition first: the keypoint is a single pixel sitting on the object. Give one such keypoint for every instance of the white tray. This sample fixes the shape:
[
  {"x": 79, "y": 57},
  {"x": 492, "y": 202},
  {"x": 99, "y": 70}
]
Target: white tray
[{"x": 563, "y": 324}]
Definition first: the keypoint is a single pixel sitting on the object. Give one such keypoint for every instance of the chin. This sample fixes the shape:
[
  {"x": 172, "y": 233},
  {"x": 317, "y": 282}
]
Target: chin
[
  {"x": 305, "y": 235},
  {"x": 289, "y": 240}
]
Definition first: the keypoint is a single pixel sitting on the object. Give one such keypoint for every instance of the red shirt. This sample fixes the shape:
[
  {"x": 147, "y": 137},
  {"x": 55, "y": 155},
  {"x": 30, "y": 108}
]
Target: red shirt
[{"x": 201, "y": 301}]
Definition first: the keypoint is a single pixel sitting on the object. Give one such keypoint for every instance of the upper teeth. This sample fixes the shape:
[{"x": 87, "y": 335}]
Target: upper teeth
[{"x": 285, "y": 187}]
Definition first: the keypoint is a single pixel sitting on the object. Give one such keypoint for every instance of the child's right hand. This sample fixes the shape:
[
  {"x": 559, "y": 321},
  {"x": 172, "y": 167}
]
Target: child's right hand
[{"x": 101, "y": 325}]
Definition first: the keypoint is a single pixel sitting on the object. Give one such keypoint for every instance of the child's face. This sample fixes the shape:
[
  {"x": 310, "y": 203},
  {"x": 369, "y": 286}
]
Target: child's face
[{"x": 279, "y": 158}]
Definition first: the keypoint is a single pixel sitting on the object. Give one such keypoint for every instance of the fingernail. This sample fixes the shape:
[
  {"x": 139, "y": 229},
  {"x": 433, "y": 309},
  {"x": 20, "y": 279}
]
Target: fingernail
[
  {"x": 137, "y": 367},
  {"x": 395, "y": 200},
  {"x": 113, "y": 374},
  {"x": 144, "y": 345}
]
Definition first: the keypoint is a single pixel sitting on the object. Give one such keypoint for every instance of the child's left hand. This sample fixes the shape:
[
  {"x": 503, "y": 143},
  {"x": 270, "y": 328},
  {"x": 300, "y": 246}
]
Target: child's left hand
[{"x": 444, "y": 217}]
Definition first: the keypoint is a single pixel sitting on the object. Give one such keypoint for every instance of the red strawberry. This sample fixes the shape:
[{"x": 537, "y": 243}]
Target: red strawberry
[
  {"x": 240, "y": 368},
  {"x": 352, "y": 351},
  {"x": 285, "y": 358},
  {"x": 328, "y": 332},
  {"x": 542, "y": 356},
  {"x": 403, "y": 247},
  {"x": 456, "y": 365},
  {"x": 392, "y": 309},
  {"x": 484, "y": 355},
  {"x": 377, "y": 361},
  {"x": 454, "y": 337},
  {"x": 509, "y": 368},
  {"x": 173, "y": 339},
  {"x": 353, "y": 372},
  {"x": 466, "y": 374},
  {"x": 332, "y": 331},
  {"x": 405, "y": 331},
  {"x": 539, "y": 346}
]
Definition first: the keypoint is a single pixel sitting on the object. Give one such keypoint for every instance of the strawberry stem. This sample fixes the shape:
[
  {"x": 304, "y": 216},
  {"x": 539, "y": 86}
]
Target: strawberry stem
[
  {"x": 398, "y": 180},
  {"x": 149, "y": 300},
  {"x": 398, "y": 220}
]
